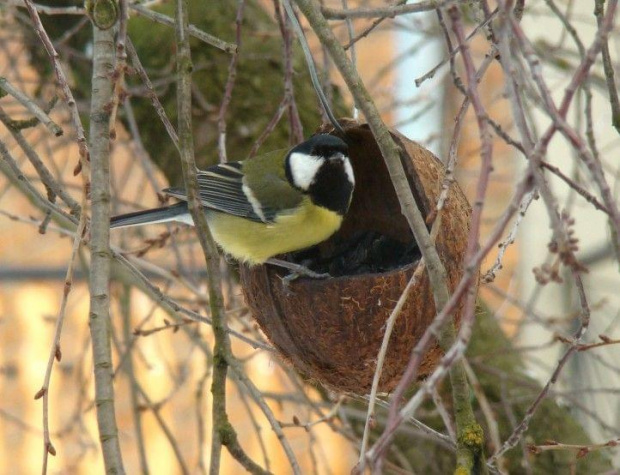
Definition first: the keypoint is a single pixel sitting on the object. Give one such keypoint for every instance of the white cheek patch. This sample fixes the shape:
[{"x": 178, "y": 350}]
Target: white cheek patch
[
  {"x": 304, "y": 169},
  {"x": 348, "y": 169}
]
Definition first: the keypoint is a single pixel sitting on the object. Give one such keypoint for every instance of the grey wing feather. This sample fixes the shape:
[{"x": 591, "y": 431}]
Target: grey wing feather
[{"x": 221, "y": 188}]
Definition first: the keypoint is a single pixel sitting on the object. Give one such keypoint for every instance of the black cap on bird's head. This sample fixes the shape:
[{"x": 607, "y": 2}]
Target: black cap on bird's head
[
  {"x": 322, "y": 145},
  {"x": 320, "y": 168}
]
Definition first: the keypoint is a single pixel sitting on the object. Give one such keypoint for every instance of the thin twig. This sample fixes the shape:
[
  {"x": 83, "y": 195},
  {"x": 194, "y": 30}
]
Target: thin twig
[
  {"x": 260, "y": 400},
  {"x": 50, "y": 10},
  {"x": 271, "y": 125},
  {"x": 118, "y": 76},
  {"x": 559, "y": 113},
  {"x": 10, "y": 169},
  {"x": 168, "y": 434},
  {"x": 83, "y": 164},
  {"x": 581, "y": 450},
  {"x": 452, "y": 52},
  {"x": 29, "y": 104},
  {"x": 138, "y": 145},
  {"x": 159, "y": 108},
  {"x": 172, "y": 307},
  {"x": 129, "y": 369},
  {"x": 589, "y": 197},
  {"x": 608, "y": 68},
  {"x": 55, "y": 351},
  {"x": 46, "y": 176},
  {"x": 375, "y": 23},
  {"x": 485, "y": 406},
  {"x": 389, "y": 326},
  {"x": 445, "y": 415},
  {"x": 386, "y": 12},
  {"x": 258, "y": 428},
  {"x": 295, "y": 126},
  {"x": 325, "y": 418},
  {"x": 518, "y": 431},
  {"x": 228, "y": 88},
  {"x": 194, "y": 31},
  {"x": 489, "y": 276},
  {"x": 486, "y": 150},
  {"x": 200, "y": 423},
  {"x": 606, "y": 342}
]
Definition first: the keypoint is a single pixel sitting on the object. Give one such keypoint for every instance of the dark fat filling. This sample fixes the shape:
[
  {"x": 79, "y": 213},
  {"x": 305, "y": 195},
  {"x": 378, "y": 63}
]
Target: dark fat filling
[{"x": 367, "y": 252}]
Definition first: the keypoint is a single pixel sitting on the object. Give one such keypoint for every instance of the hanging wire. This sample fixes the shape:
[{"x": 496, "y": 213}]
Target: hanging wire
[{"x": 311, "y": 67}]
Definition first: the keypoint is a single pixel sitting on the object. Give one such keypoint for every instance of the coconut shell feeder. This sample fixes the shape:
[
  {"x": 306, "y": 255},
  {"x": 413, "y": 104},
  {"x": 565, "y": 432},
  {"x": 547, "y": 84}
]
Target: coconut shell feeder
[{"x": 331, "y": 330}]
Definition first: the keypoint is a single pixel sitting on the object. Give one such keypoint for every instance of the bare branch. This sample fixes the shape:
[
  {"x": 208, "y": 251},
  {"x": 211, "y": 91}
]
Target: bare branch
[
  {"x": 99, "y": 314},
  {"x": 192, "y": 30},
  {"x": 387, "y": 12},
  {"x": 83, "y": 164},
  {"x": 29, "y": 104},
  {"x": 228, "y": 89}
]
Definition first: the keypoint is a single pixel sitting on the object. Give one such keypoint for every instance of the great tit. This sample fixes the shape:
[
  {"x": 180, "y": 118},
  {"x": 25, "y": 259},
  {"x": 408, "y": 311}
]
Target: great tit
[{"x": 271, "y": 204}]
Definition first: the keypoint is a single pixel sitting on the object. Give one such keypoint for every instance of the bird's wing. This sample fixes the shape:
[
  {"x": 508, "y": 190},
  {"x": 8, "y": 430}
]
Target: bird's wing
[{"x": 223, "y": 188}]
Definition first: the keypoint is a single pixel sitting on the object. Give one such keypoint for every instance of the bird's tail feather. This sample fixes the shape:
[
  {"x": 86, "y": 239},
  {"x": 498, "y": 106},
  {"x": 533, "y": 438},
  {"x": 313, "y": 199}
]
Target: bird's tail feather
[{"x": 150, "y": 216}]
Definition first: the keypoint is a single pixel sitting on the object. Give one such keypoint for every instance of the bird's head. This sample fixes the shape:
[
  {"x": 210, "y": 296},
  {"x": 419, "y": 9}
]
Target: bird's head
[{"x": 320, "y": 168}]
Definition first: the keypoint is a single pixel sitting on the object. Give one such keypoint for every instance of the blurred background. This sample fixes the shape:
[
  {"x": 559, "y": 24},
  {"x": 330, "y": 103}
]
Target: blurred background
[{"x": 163, "y": 366}]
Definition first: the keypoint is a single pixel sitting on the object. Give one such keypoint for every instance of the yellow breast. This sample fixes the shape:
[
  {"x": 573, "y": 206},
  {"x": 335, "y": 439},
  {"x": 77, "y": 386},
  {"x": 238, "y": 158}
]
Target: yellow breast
[{"x": 254, "y": 243}]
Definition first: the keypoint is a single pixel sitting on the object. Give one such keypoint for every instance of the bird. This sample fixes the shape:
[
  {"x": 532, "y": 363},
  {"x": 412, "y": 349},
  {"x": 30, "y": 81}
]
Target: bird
[{"x": 276, "y": 203}]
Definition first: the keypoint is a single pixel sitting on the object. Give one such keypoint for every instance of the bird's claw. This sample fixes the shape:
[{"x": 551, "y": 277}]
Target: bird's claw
[
  {"x": 296, "y": 271},
  {"x": 303, "y": 272}
]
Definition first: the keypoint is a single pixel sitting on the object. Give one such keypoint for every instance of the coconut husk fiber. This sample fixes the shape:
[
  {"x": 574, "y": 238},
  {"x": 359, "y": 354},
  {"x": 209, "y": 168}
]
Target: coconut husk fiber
[{"x": 331, "y": 330}]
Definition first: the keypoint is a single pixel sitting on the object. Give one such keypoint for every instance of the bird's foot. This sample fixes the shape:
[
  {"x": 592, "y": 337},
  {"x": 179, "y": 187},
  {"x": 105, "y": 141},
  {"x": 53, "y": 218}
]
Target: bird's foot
[
  {"x": 303, "y": 272},
  {"x": 297, "y": 270}
]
